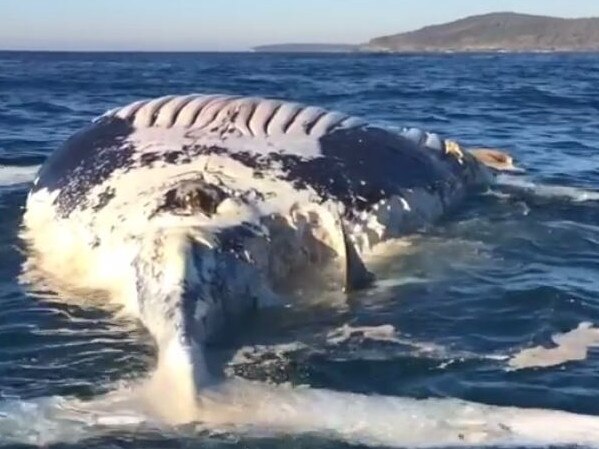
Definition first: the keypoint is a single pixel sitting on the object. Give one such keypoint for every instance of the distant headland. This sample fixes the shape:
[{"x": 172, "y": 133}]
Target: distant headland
[
  {"x": 307, "y": 48},
  {"x": 494, "y": 32}
]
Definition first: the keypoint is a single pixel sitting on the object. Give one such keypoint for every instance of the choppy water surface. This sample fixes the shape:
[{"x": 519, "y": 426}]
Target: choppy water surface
[{"x": 511, "y": 269}]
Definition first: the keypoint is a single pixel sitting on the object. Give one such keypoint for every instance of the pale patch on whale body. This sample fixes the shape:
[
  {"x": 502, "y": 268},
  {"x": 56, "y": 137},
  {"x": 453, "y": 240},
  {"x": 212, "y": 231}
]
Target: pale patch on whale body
[
  {"x": 569, "y": 346},
  {"x": 383, "y": 332},
  {"x": 190, "y": 211},
  {"x": 574, "y": 194}
]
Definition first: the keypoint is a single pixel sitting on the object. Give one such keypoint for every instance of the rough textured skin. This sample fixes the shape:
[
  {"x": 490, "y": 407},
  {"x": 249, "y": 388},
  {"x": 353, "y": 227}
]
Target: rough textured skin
[{"x": 194, "y": 209}]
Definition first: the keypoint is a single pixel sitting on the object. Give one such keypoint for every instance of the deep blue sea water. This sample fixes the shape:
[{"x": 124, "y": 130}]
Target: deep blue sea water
[{"x": 506, "y": 272}]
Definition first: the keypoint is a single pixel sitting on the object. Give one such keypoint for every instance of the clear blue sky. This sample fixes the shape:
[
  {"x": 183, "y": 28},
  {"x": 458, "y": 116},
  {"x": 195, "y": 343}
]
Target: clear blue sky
[{"x": 236, "y": 24}]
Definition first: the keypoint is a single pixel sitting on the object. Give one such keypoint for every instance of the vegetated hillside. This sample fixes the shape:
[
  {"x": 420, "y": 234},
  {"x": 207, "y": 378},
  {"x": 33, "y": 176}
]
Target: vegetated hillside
[{"x": 496, "y": 32}]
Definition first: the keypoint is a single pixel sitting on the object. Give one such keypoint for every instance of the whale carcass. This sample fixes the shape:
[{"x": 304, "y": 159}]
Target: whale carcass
[{"x": 190, "y": 211}]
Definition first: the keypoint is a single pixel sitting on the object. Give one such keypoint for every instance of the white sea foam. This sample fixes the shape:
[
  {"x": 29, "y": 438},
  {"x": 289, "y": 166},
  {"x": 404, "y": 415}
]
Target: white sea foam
[
  {"x": 249, "y": 354},
  {"x": 575, "y": 194},
  {"x": 12, "y": 174},
  {"x": 257, "y": 410},
  {"x": 166, "y": 400},
  {"x": 388, "y": 334}
]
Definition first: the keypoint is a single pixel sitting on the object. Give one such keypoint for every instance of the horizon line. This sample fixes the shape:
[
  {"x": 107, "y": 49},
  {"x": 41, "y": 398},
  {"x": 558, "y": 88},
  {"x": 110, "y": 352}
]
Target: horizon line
[{"x": 254, "y": 47}]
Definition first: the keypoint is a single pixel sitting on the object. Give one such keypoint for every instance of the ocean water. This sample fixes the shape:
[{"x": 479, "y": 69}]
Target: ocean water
[{"x": 461, "y": 309}]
